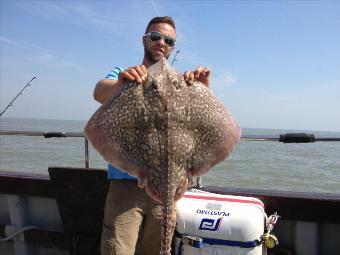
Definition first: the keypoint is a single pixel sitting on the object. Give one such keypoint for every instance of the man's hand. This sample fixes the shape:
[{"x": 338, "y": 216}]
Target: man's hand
[
  {"x": 134, "y": 73},
  {"x": 107, "y": 88},
  {"x": 200, "y": 74}
]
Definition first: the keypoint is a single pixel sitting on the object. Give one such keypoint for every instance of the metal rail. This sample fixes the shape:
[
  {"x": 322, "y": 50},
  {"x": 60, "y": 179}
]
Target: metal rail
[
  {"x": 41, "y": 133},
  {"x": 244, "y": 137},
  {"x": 290, "y": 138},
  {"x": 285, "y": 138},
  {"x": 54, "y": 135}
]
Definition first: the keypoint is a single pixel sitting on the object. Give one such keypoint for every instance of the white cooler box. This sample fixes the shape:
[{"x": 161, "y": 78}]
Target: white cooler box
[{"x": 214, "y": 224}]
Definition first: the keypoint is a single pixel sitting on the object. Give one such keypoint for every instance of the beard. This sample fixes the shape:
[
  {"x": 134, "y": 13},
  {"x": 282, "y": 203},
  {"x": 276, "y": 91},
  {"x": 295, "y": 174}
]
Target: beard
[{"x": 153, "y": 57}]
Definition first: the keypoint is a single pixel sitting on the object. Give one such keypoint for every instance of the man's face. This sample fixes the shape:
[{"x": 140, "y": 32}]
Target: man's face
[{"x": 155, "y": 50}]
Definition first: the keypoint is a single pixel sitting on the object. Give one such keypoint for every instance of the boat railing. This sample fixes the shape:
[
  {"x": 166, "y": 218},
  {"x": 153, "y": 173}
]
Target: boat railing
[
  {"x": 54, "y": 135},
  {"x": 285, "y": 138}
]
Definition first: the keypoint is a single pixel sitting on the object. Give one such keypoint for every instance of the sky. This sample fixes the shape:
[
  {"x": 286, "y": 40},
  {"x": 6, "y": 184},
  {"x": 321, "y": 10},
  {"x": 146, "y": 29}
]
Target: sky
[{"x": 275, "y": 64}]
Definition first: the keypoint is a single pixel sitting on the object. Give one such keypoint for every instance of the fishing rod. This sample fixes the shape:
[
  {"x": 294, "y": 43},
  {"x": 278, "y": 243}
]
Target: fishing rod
[
  {"x": 175, "y": 57},
  {"x": 20, "y": 93}
]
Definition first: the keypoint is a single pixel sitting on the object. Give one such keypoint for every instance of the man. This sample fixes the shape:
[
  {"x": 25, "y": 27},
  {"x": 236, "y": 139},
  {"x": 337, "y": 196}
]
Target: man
[{"x": 129, "y": 211}]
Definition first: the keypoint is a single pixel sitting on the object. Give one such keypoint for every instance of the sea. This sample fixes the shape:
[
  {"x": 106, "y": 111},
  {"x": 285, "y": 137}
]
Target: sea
[{"x": 304, "y": 167}]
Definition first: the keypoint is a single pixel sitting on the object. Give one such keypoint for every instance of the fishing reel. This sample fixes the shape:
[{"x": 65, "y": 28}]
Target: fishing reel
[{"x": 268, "y": 239}]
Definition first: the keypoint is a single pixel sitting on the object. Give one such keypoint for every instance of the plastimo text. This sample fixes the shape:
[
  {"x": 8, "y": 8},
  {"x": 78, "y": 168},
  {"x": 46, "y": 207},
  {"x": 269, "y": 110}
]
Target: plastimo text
[{"x": 209, "y": 212}]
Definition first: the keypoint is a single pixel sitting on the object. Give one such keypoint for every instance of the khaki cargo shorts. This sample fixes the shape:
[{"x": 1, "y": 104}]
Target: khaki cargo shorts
[{"x": 131, "y": 219}]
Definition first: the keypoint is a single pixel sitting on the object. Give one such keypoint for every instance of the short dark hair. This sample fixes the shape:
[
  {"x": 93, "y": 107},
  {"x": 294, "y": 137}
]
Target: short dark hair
[{"x": 164, "y": 19}]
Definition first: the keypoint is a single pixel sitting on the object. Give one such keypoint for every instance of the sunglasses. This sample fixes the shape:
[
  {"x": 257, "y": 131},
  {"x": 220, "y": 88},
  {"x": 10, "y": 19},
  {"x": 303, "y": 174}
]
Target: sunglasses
[{"x": 156, "y": 36}]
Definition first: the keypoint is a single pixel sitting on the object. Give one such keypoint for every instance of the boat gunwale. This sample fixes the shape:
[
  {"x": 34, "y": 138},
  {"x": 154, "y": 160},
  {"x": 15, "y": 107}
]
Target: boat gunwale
[{"x": 89, "y": 186}]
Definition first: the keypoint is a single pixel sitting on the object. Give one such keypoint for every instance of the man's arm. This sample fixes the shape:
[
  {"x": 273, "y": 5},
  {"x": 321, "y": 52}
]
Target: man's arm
[
  {"x": 104, "y": 89},
  {"x": 107, "y": 88}
]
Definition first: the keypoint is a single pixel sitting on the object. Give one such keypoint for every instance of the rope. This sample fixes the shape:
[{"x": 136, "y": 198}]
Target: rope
[{"x": 11, "y": 236}]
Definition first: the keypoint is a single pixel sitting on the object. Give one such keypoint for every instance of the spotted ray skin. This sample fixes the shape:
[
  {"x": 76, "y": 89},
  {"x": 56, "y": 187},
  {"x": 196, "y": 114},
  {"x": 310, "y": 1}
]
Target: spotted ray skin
[{"x": 164, "y": 132}]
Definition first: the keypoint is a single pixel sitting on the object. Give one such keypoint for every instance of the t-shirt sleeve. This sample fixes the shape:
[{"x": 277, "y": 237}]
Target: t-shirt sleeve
[{"x": 113, "y": 74}]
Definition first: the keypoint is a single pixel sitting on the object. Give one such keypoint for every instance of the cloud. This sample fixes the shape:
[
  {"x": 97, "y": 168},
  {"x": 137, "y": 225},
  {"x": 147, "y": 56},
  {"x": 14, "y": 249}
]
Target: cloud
[
  {"x": 86, "y": 14},
  {"x": 21, "y": 44},
  {"x": 41, "y": 56},
  {"x": 52, "y": 61},
  {"x": 226, "y": 79},
  {"x": 105, "y": 15},
  {"x": 186, "y": 59},
  {"x": 155, "y": 8},
  {"x": 125, "y": 21}
]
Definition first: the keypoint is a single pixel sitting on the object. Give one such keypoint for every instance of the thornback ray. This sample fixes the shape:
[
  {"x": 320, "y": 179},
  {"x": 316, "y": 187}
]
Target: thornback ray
[{"x": 164, "y": 132}]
